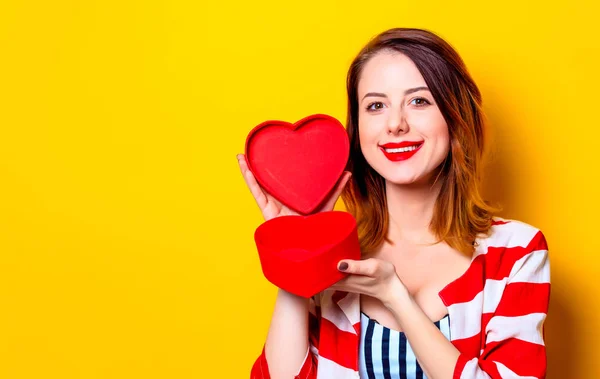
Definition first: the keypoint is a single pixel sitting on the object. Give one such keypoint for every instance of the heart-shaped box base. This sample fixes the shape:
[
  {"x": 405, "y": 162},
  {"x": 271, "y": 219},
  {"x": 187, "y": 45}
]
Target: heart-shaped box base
[{"x": 300, "y": 254}]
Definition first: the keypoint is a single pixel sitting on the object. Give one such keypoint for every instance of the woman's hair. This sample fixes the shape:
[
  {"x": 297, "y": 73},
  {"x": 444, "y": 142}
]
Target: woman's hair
[{"x": 460, "y": 213}]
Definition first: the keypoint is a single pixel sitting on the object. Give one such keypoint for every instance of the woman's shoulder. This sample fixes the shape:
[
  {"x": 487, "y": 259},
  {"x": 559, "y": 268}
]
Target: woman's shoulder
[
  {"x": 509, "y": 233},
  {"x": 510, "y": 246}
]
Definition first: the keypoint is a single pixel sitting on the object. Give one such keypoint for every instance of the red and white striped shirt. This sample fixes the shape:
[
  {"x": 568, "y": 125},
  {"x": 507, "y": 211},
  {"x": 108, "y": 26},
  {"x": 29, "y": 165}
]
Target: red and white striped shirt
[{"x": 497, "y": 310}]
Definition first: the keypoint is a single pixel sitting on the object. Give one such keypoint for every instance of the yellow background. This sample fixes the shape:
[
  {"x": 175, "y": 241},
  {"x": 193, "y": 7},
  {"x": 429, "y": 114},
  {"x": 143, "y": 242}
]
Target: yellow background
[{"x": 126, "y": 245}]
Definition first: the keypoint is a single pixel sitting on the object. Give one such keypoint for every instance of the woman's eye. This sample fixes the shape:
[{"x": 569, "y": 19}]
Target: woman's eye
[
  {"x": 420, "y": 101},
  {"x": 375, "y": 106}
]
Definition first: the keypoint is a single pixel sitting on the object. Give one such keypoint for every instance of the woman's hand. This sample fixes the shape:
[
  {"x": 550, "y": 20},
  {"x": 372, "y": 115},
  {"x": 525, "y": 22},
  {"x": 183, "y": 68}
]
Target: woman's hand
[
  {"x": 272, "y": 208},
  {"x": 373, "y": 277}
]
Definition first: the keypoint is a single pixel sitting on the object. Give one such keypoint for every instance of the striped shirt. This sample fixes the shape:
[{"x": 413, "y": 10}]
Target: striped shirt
[
  {"x": 497, "y": 310},
  {"x": 385, "y": 353}
]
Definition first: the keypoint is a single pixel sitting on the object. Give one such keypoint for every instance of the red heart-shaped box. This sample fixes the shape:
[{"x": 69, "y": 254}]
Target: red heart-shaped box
[
  {"x": 300, "y": 254},
  {"x": 299, "y": 164}
]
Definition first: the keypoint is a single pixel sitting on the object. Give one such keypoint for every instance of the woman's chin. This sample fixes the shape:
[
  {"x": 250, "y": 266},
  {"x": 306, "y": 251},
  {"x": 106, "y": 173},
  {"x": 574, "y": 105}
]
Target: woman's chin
[
  {"x": 403, "y": 180},
  {"x": 408, "y": 178}
]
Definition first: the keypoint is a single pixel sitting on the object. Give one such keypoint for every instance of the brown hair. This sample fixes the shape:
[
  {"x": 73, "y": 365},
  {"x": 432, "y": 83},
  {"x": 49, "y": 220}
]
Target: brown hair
[{"x": 460, "y": 212}]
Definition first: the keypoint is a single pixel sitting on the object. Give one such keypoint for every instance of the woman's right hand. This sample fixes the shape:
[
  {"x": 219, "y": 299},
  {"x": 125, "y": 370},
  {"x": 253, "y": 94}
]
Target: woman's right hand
[{"x": 272, "y": 208}]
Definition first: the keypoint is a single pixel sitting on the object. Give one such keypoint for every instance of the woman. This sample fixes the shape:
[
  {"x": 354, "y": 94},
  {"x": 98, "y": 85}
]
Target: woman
[{"x": 444, "y": 289}]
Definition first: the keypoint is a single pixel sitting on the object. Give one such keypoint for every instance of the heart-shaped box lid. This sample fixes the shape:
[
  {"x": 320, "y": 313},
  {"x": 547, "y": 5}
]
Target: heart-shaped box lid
[{"x": 299, "y": 164}]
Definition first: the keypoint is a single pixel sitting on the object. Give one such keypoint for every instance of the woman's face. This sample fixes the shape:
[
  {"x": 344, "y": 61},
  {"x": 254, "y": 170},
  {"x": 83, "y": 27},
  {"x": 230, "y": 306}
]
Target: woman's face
[{"x": 402, "y": 132}]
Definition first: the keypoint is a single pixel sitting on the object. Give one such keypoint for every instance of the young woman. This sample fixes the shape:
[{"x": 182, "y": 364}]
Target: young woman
[{"x": 445, "y": 289}]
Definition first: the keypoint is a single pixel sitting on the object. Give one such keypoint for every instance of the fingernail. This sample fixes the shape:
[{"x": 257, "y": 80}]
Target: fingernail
[{"x": 343, "y": 266}]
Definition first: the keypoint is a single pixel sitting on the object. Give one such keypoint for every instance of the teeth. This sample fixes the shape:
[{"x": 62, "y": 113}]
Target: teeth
[{"x": 402, "y": 149}]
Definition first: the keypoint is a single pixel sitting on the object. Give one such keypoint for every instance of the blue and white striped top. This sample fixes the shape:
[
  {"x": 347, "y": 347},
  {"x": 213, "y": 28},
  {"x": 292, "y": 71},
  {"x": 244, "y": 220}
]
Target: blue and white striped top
[{"x": 386, "y": 354}]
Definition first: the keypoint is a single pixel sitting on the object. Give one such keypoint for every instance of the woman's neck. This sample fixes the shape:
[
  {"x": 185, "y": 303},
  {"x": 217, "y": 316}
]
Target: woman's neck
[{"x": 410, "y": 209}]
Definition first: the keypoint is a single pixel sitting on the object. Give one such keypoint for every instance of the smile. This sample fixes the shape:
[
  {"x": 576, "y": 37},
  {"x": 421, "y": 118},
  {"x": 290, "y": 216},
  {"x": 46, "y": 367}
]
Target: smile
[{"x": 400, "y": 151}]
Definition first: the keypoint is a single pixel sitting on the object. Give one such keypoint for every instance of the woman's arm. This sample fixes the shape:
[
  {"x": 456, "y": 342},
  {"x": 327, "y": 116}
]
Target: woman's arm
[
  {"x": 287, "y": 340},
  {"x": 286, "y": 352},
  {"x": 291, "y": 348},
  {"x": 437, "y": 356},
  {"x": 514, "y": 341},
  {"x": 377, "y": 278}
]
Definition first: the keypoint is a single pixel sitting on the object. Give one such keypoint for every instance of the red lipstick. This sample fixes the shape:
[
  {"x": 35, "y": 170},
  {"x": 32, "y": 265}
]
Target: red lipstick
[{"x": 409, "y": 148}]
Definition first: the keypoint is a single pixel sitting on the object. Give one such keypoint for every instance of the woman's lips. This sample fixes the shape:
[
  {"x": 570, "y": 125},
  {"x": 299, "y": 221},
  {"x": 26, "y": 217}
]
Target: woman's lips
[{"x": 407, "y": 150}]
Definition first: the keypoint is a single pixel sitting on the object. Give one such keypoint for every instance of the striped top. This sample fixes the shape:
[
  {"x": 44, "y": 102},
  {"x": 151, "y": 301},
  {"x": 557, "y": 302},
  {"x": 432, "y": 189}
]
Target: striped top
[
  {"x": 385, "y": 353},
  {"x": 497, "y": 310}
]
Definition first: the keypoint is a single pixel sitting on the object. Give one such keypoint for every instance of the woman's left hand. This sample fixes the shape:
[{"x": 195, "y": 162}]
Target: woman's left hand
[{"x": 372, "y": 277}]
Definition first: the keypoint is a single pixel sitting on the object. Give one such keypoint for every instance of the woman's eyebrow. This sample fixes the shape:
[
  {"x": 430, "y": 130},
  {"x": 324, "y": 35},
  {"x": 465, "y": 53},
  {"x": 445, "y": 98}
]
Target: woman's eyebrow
[
  {"x": 411, "y": 90},
  {"x": 407, "y": 92}
]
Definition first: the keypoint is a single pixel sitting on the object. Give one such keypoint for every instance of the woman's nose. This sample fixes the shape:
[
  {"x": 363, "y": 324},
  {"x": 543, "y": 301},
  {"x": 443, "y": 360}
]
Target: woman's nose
[{"x": 397, "y": 124}]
